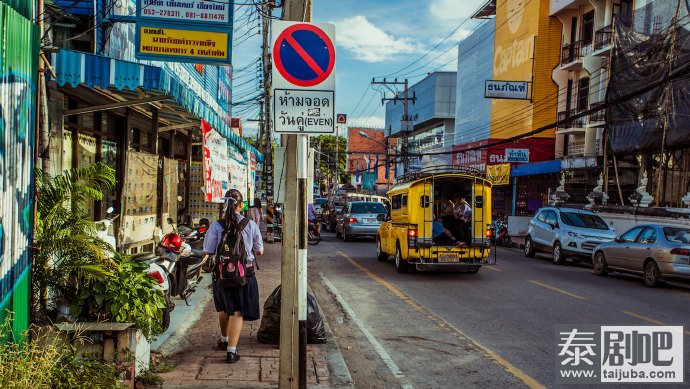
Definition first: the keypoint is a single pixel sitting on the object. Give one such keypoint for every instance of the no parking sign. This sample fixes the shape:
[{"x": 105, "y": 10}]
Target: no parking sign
[{"x": 303, "y": 77}]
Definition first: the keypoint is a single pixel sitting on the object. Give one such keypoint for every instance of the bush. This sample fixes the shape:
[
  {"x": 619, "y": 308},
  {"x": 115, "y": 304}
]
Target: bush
[{"x": 48, "y": 362}]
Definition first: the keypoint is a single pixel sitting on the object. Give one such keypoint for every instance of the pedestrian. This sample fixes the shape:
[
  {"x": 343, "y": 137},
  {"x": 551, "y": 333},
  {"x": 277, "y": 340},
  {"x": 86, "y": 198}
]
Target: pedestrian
[
  {"x": 235, "y": 305},
  {"x": 255, "y": 213}
]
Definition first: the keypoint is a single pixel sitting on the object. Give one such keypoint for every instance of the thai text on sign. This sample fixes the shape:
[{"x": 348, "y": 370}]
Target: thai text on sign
[
  {"x": 216, "y": 164},
  {"x": 304, "y": 111},
  {"x": 183, "y": 43},
  {"x": 187, "y": 10}
]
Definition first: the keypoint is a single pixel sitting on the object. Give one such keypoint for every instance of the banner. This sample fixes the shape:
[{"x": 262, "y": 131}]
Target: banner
[
  {"x": 369, "y": 181},
  {"x": 216, "y": 164},
  {"x": 498, "y": 174}
]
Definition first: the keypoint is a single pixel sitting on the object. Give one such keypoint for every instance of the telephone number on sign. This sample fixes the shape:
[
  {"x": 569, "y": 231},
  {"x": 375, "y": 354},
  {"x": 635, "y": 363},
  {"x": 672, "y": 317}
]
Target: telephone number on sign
[{"x": 177, "y": 14}]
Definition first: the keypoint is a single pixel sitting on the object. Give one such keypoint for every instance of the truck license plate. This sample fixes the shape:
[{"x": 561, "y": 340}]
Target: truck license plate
[{"x": 448, "y": 257}]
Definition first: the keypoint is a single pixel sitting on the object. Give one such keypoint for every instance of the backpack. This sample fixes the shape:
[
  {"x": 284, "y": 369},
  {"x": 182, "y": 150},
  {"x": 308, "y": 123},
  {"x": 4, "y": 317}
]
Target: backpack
[{"x": 231, "y": 259}]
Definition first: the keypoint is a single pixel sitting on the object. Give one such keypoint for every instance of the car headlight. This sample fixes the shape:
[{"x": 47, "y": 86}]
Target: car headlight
[{"x": 574, "y": 235}]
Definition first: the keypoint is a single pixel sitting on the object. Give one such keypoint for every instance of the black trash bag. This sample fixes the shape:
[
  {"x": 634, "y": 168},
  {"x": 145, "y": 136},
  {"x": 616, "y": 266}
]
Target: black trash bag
[{"x": 269, "y": 331}]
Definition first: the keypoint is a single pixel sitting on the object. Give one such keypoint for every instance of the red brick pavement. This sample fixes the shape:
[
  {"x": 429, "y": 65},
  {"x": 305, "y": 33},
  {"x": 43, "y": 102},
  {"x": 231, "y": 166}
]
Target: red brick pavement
[{"x": 201, "y": 364}]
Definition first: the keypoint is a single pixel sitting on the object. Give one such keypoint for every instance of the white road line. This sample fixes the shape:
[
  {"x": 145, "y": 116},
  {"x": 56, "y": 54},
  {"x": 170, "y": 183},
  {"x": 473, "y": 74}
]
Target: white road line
[{"x": 362, "y": 327}]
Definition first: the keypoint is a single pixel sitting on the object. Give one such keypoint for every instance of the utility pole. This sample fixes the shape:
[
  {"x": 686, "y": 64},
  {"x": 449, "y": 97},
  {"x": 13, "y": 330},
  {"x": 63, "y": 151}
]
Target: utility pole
[
  {"x": 336, "y": 179},
  {"x": 267, "y": 147},
  {"x": 293, "y": 275},
  {"x": 404, "y": 123}
]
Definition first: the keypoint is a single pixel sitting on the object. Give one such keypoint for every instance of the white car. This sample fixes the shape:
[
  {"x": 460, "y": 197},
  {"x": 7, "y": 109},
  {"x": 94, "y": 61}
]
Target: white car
[{"x": 566, "y": 232}]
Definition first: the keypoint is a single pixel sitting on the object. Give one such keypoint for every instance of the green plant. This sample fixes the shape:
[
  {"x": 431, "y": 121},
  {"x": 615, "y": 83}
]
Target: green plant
[
  {"x": 47, "y": 361},
  {"x": 149, "y": 377},
  {"x": 69, "y": 255},
  {"x": 127, "y": 296}
]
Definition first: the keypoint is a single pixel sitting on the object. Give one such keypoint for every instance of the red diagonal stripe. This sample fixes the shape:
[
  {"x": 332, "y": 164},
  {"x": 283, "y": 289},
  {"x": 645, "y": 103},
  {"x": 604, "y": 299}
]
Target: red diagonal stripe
[{"x": 304, "y": 55}]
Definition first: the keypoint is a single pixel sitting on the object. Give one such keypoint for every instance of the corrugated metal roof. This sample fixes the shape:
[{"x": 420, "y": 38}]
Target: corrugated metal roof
[{"x": 74, "y": 68}]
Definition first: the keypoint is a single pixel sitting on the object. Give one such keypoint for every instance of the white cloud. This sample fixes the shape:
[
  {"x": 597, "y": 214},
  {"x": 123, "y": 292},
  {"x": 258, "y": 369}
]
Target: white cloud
[
  {"x": 369, "y": 43},
  {"x": 370, "y": 121},
  {"x": 452, "y": 11}
]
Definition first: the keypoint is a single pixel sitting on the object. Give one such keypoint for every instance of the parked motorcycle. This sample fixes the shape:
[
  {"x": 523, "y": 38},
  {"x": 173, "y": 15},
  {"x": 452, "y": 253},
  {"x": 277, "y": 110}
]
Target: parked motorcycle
[
  {"x": 186, "y": 257},
  {"x": 313, "y": 236},
  {"x": 500, "y": 234}
]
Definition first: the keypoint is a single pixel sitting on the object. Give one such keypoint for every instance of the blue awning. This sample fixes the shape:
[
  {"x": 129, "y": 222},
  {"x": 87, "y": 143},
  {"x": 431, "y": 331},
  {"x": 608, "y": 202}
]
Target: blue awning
[
  {"x": 535, "y": 168},
  {"x": 74, "y": 68}
]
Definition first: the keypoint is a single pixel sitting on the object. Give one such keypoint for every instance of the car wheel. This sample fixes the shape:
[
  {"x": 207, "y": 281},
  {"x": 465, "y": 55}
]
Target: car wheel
[
  {"x": 557, "y": 253},
  {"x": 529, "y": 247},
  {"x": 474, "y": 270},
  {"x": 400, "y": 265},
  {"x": 651, "y": 274},
  {"x": 600, "y": 268},
  {"x": 380, "y": 255},
  {"x": 346, "y": 237},
  {"x": 337, "y": 233}
]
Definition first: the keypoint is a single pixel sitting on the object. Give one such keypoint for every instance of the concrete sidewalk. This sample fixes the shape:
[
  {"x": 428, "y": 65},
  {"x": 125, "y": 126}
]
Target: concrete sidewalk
[{"x": 199, "y": 364}]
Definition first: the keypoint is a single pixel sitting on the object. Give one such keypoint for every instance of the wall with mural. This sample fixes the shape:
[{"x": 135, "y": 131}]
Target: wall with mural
[{"x": 18, "y": 71}]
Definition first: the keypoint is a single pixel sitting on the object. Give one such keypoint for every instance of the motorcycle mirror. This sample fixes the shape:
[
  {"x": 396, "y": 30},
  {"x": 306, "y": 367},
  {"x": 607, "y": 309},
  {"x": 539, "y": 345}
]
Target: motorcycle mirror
[
  {"x": 170, "y": 220},
  {"x": 110, "y": 210}
]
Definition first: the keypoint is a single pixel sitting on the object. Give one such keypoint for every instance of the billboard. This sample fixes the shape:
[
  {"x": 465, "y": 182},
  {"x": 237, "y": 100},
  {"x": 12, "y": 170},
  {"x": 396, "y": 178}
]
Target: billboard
[{"x": 216, "y": 164}]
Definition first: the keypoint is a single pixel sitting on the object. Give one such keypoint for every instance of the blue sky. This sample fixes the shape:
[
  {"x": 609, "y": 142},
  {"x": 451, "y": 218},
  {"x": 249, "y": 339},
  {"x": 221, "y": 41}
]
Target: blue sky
[{"x": 374, "y": 38}]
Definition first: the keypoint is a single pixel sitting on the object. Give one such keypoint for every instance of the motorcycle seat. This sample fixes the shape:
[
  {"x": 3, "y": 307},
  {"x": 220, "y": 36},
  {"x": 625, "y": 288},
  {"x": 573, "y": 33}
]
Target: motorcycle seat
[
  {"x": 197, "y": 252},
  {"x": 143, "y": 257}
]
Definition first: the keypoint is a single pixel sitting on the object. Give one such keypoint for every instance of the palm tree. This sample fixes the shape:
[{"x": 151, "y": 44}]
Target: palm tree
[{"x": 68, "y": 254}]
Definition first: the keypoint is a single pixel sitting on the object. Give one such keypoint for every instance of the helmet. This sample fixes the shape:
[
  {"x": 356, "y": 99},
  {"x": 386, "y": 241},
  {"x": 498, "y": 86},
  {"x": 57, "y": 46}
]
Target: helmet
[{"x": 172, "y": 242}]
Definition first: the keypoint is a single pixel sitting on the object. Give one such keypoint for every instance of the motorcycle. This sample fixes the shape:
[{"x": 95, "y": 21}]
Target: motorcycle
[
  {"x": 500, "y": 234},
  {"x": 106, "y": 232},
  {"x": 313, "y": 236},
  {"x": 185, "y": 258}
]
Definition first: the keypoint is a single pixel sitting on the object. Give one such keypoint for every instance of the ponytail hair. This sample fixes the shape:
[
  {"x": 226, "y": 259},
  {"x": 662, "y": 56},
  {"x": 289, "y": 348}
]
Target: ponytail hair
[{"x": 233, "y": 198}]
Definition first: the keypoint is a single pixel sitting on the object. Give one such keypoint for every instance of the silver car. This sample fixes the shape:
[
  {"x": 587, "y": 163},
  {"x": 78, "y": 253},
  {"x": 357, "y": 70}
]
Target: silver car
[
  {"x": 657, "y": 251},
  {"x": 359, "y": 218}
]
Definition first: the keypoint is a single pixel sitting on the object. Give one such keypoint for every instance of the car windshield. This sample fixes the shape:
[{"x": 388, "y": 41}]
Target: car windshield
[
  {"x": 584, "y": 220},
  {"x": 368, "y": 208},
  {"x": 677, "y": 234}
]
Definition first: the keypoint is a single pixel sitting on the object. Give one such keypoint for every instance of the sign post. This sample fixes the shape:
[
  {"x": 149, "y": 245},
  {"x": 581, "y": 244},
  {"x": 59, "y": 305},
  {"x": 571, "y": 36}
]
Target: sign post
[{"x": 303, "y": 90}]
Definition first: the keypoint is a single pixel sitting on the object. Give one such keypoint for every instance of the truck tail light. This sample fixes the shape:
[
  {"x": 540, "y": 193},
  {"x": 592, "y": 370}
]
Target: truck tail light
[
  {"x": 489, "y": 232},
  {"x": 412, "y": 238},
  {"x": 352, "y": 220}
]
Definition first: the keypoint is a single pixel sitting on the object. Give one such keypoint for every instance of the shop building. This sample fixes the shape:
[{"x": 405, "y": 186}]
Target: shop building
[{"x": 370, "y": 155}]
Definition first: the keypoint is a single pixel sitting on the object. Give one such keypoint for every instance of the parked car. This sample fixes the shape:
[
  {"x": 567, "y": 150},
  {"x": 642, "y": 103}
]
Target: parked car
[
  {"x": 656, "y": 251},
  {"x": 566, "y": 232},
  {"x": 359, "y": 218},
  {"x": 329, "y": 217}
]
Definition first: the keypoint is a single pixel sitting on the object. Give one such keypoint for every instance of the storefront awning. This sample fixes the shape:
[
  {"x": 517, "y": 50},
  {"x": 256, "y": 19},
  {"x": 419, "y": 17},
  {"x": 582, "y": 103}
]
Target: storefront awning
[
  {"x": 74, "y": 68},
  {"x": 535, "y": 168}
]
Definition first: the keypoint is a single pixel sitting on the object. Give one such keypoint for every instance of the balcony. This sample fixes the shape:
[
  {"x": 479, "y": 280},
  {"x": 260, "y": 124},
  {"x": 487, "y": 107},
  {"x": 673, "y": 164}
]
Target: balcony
[
  {"x": 568, "y": 126},
  {"x": 603, "y": 39},
  {"x": 571, "y": 56},
  {"x": 598, "y": 118}
]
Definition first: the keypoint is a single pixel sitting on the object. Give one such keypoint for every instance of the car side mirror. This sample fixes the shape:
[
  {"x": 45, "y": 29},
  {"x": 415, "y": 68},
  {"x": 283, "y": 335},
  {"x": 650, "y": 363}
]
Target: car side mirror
[
  {"x": 554, "y": 226},
  {"x": 618, "y": 239}
]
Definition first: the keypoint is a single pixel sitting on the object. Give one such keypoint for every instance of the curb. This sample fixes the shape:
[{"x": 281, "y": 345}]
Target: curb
[{"x": 178, "y": 339}]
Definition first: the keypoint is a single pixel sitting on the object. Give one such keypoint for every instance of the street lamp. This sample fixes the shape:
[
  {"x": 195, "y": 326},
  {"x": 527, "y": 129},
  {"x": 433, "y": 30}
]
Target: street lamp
[{"x": 388, "y": 147}]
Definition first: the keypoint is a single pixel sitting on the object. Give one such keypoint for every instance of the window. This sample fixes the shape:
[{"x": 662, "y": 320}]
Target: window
[
  {"x": 569, "y": 96},
  {"x": 551, "y": 218},
  {"x": 677, "y": 234},
  {"x": 584, "y": 220},
  {"x": 647, "y": 236},
  {"x": 588, "y": 28},
  {"x": 404, "y": 201},
  {"x": 367, "y": 208},
  {"x": 582, "y": 94},
  {"x": 542, "y": 216},
  {"x": 631, "y": 234},
  {"x": 424, "y": 201},
  {"x": 396, "y": 201}
]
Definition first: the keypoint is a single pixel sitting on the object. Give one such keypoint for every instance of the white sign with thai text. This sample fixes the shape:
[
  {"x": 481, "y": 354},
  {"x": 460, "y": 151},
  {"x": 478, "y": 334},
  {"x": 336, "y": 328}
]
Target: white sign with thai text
[
  {"x": 506, "y": 89},
  {"x": 203, "y": 11},
  {"x": 216, "y": 164},
  {"x": 304, "y": 111}
]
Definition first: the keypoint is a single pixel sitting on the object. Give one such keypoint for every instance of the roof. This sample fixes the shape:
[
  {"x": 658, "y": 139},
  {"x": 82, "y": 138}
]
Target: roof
[{"x": 486, "y": 10}]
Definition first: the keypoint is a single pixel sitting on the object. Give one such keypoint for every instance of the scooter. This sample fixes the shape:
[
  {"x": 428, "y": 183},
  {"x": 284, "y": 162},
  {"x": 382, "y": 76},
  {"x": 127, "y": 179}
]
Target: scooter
[
  {"x": 501, "y": 235},
  {"x": 106, "y": 232},
  {"x": 184, "y": 261},
  {"x": 313, "y": 236}
]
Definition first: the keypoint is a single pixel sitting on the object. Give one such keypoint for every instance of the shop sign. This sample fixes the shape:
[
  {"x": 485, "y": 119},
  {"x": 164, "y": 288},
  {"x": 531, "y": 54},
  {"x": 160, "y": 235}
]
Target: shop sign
[
  {"x": 498, "y": 174},
  {"x": 183, "y": 43},
  {"x": 506, "y": 89},
  {"x": 216, "y": 164},
  {"x": 201, "y": 11},
  {"x": 517, "y": 155},
  {"x": 238, "y": 176}
]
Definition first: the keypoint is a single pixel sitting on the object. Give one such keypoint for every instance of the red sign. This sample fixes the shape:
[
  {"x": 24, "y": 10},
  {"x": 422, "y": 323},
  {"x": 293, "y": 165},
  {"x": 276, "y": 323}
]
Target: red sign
[{"x": 304, "y": 55}]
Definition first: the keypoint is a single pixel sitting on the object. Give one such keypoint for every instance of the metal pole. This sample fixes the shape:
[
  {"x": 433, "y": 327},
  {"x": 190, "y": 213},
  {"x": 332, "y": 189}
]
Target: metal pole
[
  {"x": 293, "y": 312},
  {"x": 406, "y": 159},
  {"x": 336, "y": 179}
]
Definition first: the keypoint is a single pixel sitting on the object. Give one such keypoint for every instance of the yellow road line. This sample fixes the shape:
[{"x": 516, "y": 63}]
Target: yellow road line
[
  {"x": 519, "y": 374},
  {"x": 649, "y": 320},
  {"x": 492, "y": 267},
  {"x": 559, "y": 290}
]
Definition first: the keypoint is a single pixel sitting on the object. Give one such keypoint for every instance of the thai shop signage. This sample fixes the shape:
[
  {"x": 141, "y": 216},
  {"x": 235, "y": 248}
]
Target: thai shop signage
[
  {"x": 517, "y": 155},
  {"x": 506, "y": 89},
  {"x": 196, "y": 31},
  {"x": 216, "y": 164}
]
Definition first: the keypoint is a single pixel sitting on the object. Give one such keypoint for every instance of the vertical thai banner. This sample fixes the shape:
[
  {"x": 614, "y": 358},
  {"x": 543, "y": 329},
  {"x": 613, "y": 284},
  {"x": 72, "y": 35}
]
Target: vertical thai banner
[
  {"x": 251, "y": 180},
  {"x": 216, "y": 164},
  {"x": 238, "y": 166},
  {"x": 18, "y": 80}
]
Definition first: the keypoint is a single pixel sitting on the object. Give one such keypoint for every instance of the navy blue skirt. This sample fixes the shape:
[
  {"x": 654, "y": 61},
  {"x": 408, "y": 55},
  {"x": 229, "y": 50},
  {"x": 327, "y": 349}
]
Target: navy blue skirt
[{"x": 244, "y": 300}]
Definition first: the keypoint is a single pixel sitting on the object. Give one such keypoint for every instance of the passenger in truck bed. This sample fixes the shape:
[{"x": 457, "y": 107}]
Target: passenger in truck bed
[{"x": 442, "y": 235}]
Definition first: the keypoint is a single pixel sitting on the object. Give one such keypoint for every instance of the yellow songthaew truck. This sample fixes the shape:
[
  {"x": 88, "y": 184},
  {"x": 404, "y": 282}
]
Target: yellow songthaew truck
[{"x": 418, "y": 198}]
